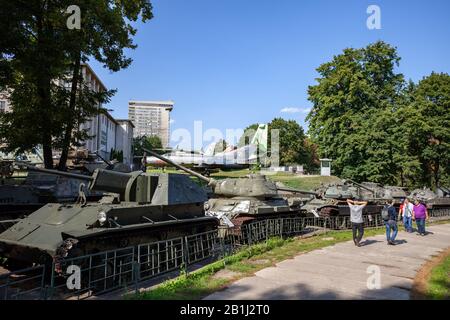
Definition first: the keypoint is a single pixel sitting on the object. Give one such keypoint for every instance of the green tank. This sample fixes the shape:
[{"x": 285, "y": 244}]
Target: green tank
[
  {"x": 237, "y": 201},
  {"x": 437, "y": 202},
  {"x": 332, "y": 198},
  {"x": 136, "y": 208}
]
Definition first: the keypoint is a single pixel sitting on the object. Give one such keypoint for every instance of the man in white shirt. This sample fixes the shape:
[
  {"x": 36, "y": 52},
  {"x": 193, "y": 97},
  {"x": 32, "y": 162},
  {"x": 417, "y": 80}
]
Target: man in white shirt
[
  {"x": 356, "y": 209},
  {"x": 406, "y": 212}
]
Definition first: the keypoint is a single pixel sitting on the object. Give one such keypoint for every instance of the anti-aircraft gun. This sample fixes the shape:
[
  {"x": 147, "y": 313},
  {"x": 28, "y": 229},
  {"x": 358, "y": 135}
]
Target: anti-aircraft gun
[
  {"x": 238, "y": 201},
  {"x": 136, "y": 208}
]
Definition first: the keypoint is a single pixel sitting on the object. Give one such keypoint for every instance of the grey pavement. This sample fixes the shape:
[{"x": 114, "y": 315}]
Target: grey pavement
[{"x": 344, "y": 271}]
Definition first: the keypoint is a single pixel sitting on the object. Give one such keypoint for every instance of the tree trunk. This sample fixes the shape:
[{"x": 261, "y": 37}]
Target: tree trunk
[
  {"x": 72, "y": 103},
  {"x": 43, "y": 81},
  {"x": 436, "y": 174}
]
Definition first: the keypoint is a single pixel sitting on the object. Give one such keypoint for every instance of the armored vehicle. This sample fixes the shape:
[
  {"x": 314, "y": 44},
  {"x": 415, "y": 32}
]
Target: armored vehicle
[
  {"x": 17, "y": 200},
  {"x": 332, "y": 200},
  {"x": 237, "y": 201},
  {"x": 135, "y": 208},
  {"x": 38, "y": 189},
  {"x": 438, "y": 203}
]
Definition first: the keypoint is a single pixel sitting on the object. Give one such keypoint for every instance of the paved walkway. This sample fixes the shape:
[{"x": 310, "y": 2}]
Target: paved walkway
[{"x": 341, "y": 271}]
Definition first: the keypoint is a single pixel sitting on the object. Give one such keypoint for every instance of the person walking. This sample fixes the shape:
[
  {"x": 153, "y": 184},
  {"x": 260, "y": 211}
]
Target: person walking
[
  {"x": 391, "y": 223},
  {"x": 406, "y": 212},
  {"x": 356, "y": 209},
  {"x": 420, "y": 214}
]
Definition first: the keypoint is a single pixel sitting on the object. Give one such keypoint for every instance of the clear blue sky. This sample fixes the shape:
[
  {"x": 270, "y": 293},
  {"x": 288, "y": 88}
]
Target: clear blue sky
[{"x": 231, "y": 63}]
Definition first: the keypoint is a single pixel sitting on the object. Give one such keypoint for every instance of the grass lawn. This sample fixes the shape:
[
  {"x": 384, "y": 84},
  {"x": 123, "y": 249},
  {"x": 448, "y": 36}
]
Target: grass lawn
[
  {"x": 246, "y": 262},
  {"x": 439, "y": 281}
]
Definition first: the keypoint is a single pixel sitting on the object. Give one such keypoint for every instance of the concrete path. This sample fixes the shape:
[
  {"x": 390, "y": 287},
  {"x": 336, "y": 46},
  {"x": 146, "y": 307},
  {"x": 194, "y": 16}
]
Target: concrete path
[{"x": 342, "y": 271}]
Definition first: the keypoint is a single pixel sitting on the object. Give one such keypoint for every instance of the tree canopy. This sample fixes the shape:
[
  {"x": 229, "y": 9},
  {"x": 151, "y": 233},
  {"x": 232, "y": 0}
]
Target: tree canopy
[
  {"x": 151, "y": 142},
  {"x": 376, "y": 126},
  {"x": 293, "y": 145},
  {"x": 40, "y": 55}
]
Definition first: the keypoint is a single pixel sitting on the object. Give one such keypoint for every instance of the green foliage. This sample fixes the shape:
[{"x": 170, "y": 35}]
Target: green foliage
[
  {"x": 291, "y": 141},
  {"x": 427, "y": 124},
  {"x": 374, "y": 125},
  {"x": 220, "y": 146},
  {"x": 151, "y": 142},
  {"x": 39, "y": 56},
  {"x": 116, "y": 155},
  {"x": 248, "y": 134},
  {"x": 351, "y": 119},
  {"x": 292, "y": 137}
]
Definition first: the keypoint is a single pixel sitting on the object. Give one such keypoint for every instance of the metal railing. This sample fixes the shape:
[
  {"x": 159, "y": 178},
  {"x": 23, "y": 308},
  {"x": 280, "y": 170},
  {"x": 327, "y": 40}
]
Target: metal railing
[
  {"x": 27, "y": 284},
  {"x": 159, "y": 257},
  {"x": 92, "y": 274},
  {"x": 79, "y": 277}
]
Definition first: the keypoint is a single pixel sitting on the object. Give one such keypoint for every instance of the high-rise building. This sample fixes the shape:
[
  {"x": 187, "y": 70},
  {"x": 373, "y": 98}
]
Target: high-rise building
[{"x": 151, "y": 118}]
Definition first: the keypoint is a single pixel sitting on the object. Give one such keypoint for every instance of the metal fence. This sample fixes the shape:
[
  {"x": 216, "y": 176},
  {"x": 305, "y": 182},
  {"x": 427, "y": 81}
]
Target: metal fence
[
  {"x": 28, "y": 284},
  {"x": 80, "y": 277}
]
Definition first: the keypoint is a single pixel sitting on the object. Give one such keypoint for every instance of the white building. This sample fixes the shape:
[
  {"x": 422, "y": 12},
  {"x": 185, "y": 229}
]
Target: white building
[
  {"x": 107, "y": 133},
  {"x": 124, "y": 139},
  {"x": 151, "y": 118}
]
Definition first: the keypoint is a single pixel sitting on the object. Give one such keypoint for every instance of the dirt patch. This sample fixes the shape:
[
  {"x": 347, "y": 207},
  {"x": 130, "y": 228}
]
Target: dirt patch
[
  {"x": 226, "y": 274},
  {"x": 420, "y": 284}
]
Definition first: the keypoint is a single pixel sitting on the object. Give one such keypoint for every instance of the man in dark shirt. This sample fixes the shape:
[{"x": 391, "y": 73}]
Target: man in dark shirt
[{"x": 391, "y": 224}]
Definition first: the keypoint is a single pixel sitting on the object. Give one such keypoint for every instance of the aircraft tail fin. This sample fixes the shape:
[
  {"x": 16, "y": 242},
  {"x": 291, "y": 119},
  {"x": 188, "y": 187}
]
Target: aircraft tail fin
[{"x": 260, "y": 137}]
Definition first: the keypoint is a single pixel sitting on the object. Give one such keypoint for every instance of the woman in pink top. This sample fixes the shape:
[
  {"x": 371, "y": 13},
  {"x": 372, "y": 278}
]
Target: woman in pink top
[{"x": 420, "y": 214}]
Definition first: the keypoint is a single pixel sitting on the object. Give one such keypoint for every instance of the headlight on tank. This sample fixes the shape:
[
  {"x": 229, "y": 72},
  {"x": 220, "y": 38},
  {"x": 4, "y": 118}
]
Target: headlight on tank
[
  {"x": 101, "y": 217},
  {"x": 206, "y": 206}
]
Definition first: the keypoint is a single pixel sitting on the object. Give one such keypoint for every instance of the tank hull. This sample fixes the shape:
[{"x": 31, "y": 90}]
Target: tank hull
[{"x": 106, "y": 239}]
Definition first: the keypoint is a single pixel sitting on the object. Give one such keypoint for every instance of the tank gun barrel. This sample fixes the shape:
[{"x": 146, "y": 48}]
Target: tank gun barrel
[
  {"x": 297, "y": 191},
  {"x": 56, "y": 172},
  {"x": 102, "y": 180},
  {"x": 179, "y": 166},
  {"x": 360, "y": 185}
]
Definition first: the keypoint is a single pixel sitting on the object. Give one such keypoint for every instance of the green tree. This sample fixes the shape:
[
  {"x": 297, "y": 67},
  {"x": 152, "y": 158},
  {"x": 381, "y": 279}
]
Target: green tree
[
  {"x": 427, "y": 129},
  {"x": 38, "y": 54},
  {"x": 312, "y": 162},
  {"x": 248, "y": 134},
  {"x": 151, "y": 143},
  {"x": 291, "y": 143},
  {"x": 353, "y": 116},
  {"x": 220, "y": 146},
  {"x": 291, "y": 140}
]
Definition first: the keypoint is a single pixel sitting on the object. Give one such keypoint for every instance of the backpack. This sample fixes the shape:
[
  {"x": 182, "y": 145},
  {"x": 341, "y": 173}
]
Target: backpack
[{"x": 385, "y": 213}]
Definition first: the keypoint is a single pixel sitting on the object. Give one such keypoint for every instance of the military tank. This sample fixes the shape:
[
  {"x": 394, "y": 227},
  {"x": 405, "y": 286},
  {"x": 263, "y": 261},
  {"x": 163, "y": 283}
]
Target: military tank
[
  {"x": 136, "y": 208},
  {"x": 332, "y": 198},
  {"x": 17, "y": 200},
  {"x": 438, "y": 203},
  {"x": 239, "y": 201}
]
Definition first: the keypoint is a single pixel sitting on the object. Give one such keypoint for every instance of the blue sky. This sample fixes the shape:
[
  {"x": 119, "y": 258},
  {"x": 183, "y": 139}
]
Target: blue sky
[{"x": 230, "y": 63}]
